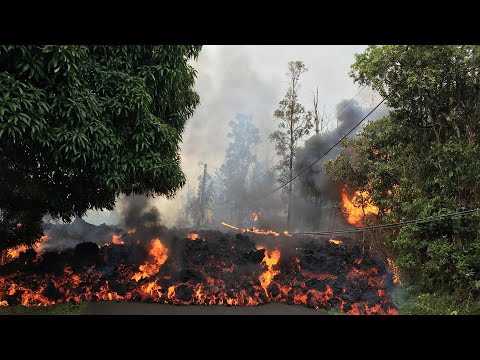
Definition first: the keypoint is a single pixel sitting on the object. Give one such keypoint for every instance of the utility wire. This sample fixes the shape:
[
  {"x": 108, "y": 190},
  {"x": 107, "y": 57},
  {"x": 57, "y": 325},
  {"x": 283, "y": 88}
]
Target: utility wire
[
  {"x": 392, "y": 225},
  {"x": 338, "y": 142},
  {"x": 344, "y": 106},
  {"x": 328, "y": 122}
]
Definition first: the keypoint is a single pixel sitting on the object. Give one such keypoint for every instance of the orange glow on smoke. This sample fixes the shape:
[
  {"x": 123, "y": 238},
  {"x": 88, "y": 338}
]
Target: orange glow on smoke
[
  {"x": 353, "y": 207},
  {"x": 192, "y": 236},
  {"x": 116, "y": 239},
  {"x": 267, "y": 277},
  {"x": 160, "y": 255}
]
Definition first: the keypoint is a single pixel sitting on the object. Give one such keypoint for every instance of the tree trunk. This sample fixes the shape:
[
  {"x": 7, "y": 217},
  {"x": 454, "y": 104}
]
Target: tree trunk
[{"x": 290, "y": 169}]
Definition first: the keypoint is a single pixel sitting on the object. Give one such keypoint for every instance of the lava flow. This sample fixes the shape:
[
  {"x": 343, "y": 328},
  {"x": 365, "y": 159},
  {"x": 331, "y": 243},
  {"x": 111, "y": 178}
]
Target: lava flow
[
  {"x": 359, "y": 206},
  {"x": 222, "y": 269},
  {"x": 254, "y": 230}
]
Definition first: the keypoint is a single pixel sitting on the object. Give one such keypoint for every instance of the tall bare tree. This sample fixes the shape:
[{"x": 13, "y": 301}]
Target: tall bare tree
[{"x": 294, "y": 124}]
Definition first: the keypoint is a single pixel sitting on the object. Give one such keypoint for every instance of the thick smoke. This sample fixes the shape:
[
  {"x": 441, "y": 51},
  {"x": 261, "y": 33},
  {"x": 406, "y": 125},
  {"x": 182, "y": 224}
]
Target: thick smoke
[
  {"x": 135, "y": 212},
  {"x": 66, "y": 236},
  {"x": 315, "y": 185}
]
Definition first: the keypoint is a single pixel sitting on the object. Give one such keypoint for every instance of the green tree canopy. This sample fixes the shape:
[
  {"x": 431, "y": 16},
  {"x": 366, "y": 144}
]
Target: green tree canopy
[
  {"x": 423, "y": 159},
  {"x": 80, "y": 125}
]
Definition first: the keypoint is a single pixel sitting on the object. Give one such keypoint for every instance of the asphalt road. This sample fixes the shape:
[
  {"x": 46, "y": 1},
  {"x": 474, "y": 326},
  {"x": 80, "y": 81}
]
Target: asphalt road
[{"x": 134, "y": 308}]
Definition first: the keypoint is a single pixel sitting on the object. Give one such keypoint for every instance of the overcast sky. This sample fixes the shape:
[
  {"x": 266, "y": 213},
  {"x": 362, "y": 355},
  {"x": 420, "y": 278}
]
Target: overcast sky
[{"x": 251, "y": 79}]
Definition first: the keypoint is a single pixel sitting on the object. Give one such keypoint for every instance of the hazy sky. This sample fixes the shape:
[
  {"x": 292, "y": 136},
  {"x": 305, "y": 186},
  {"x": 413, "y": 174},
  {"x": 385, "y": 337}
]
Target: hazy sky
[{"x": 251, "y": 79}]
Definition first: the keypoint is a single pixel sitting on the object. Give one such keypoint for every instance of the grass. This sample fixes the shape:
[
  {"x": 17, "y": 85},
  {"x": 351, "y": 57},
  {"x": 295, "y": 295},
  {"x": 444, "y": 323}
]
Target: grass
[
  {"x": 409, "y": 303},
  {"x": 57, "y": 309}
]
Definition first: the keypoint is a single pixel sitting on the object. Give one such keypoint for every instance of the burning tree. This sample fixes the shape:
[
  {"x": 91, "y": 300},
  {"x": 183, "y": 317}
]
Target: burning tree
[
  {"x": 422, "y": 160},
  {"x": 294, "y": 124},
  {"x": 82, "y": 124}
]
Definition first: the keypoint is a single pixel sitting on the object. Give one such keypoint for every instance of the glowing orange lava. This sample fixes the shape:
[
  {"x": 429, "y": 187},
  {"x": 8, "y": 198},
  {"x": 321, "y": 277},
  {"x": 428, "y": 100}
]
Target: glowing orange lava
[
  {"x": 253, "y": 230},
  {"x": 267, "y": 277},
  {"x": 336, "y": 242},
  {"x": 192, "y": 236},
  {"x": 116, "y": 239},
  {"x": 353, "y": 207},
  {"x": 160, "y": 255}
]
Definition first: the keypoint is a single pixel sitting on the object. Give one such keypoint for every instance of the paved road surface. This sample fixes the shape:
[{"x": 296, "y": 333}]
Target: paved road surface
[{"x": 134, "y": 308}]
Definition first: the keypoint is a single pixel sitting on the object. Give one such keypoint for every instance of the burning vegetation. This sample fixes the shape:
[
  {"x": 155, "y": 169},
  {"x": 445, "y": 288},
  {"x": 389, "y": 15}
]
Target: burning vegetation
[{"x": 215, "y": 269}]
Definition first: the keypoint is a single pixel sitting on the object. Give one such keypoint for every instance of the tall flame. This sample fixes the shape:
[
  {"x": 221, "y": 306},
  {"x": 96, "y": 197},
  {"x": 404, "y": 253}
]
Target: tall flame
[
  {"x": 160, "y": 255},
  {"x": 269, "y": 260},
  {"x": 355, "y": 212},
  {"x": 394, "y": 269}
]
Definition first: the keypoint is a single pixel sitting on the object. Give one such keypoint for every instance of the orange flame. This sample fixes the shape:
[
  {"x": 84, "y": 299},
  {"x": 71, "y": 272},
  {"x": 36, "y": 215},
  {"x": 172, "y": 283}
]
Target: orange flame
[
  {"x": 116, "y": 239},
  {"x": 353, "y": 208},
  {"x": 15, "y": 252},
  {"x": 336, "y": 242},
  {"x": 38, "y": 244},
  {"x": 171, "y": 292},
  {"x": 287, "y": 233},
  {"x": 255, "y": 216},
  {"x": 394, "y": 269},
  {"x": 4, "y": 303},
  {"x": 192, "y": 236},
  {"x": 267, "y": 277},
  {"x": 253, "y": 230},
  {"x": 160, "y": 254}
]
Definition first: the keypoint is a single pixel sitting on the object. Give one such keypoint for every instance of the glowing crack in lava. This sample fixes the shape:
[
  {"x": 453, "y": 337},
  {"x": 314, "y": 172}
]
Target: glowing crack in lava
[
  {"x": 160, "y": 255},
  {"x": 192, "y": 236},
  {"x": 354, "y": 212},
  {"x": 222, "y": 269},
  {"x": 269, "y": 260}
]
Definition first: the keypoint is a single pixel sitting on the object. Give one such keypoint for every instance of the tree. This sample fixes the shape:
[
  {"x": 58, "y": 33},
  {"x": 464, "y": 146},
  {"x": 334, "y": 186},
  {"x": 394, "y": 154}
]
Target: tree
[
  {"x": 82, "y": 124},
  {"x": 239, "y": 159},
  {"x": 294, "y": 124},
  {"x": 422, "y": 160},
  {"x": 204, "y": 212}
]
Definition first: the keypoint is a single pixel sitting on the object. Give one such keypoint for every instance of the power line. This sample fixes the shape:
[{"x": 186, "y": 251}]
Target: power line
[
  {"x": 328, "y": 122},
  {"x": 338, "y": 142},
  {"x": 392, "y": 225},
  {"x": 344, "y": 106}
]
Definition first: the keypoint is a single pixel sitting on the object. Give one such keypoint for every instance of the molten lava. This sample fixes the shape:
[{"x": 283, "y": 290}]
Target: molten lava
[
  {"x": 160, "y": 255},
  {"x": 254, "y": 230},
  {"x": 225, "y": 270},
  {"x": 336, "y": 242},
  {"x": 359, "y": 206},
  {"x": 267, "y": 277},
  {"x": 192, "y": 236},
  {"x": 116, "y": 239}
]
